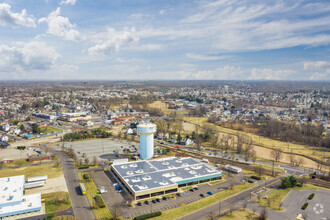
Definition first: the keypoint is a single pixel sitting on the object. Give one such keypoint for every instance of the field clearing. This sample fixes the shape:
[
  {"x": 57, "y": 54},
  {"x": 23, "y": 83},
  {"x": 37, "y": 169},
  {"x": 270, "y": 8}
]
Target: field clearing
[
  {"x": 52, "y": 170},
  {"x": 100, "y": 213},
  {"x": 276, "y": 197},
  {"x": 52, "y": 201},
  {"x": 186, "y": 209},
  {"x": 164, "y": 108},
  {"x": 50, "y": 129},
  {"x": 264, "y": 145}
]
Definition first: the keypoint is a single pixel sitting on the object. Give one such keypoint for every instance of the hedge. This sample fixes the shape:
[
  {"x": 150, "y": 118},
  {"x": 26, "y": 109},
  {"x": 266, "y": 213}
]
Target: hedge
[
  {"x": 99, "y": 201},
  {"x": 83, "y": 167},
  {"x": 250, "y": 181},
  {"x": 256, "y": 177},
  {"x": 149, "y": 215},
  {"x": 21, "y": 147},
  {"x": 304, "y": 206},
  {"x": 311, "y": 196}
]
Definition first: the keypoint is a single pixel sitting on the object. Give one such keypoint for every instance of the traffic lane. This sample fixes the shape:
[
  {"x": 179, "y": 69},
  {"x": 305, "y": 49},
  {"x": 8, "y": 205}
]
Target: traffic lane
[{"x": 80, "y": 204}]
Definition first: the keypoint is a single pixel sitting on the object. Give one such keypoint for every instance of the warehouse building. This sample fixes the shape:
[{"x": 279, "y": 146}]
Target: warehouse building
[
  {"x": 13, "y": 202},
  {"x": 149, "y": 178}
]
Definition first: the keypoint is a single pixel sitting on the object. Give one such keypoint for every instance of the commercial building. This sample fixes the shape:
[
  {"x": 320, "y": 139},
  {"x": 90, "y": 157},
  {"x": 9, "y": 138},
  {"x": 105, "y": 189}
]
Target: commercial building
[
  {"x": 13, "y": 202},
  {"x": 146, "y": 140},
  {"x": 44, "y": 116},
  {"x": 149, "y": 178}
]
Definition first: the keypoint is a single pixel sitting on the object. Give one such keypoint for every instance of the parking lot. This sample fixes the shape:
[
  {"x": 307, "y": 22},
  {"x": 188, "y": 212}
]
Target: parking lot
[
  {"x": 101, "y": 148},
  {"x": 15, "y": 154},
  {"x": 113, "y": 197}
]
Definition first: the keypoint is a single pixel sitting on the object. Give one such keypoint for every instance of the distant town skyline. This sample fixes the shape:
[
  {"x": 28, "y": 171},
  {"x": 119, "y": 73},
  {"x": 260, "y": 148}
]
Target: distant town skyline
[{"x": 148, "y": 40}]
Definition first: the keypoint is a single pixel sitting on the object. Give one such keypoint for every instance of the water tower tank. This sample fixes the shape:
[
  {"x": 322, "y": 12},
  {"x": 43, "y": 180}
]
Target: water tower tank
[{"x": 146, "y": 140}]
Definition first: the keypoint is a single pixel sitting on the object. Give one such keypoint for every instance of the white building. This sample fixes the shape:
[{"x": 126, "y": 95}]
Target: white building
[{"x": 13, "y": 202}]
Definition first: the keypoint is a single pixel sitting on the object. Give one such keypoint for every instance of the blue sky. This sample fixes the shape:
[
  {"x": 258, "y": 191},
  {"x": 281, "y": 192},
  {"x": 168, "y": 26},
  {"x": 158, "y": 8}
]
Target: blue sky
[{"x": 178, "y": 39}]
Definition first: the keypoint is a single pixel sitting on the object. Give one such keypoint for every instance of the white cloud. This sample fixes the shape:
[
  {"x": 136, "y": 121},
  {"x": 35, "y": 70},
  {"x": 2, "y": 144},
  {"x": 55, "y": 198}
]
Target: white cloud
[
  {"x": 161, "y": 12},
  {"x": 318, "y": 76},
  {"x": 226, "y": 72},
  {"x": 7, "y": 17},
  {"x": 316, "y": 65},
  {"x": 29, "y": 56},
  {"x": 66, "y": 2},
  {"x": 60, "y": 26},
  {"x": 113, "y": 40},
  {"x": 205, "y": 57},
  {"x": 270, "y": 74}
]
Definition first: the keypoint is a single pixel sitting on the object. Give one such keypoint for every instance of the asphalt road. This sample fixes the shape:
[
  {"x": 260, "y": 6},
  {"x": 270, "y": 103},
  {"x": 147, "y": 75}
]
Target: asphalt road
[{"x": 81, "y": 208}]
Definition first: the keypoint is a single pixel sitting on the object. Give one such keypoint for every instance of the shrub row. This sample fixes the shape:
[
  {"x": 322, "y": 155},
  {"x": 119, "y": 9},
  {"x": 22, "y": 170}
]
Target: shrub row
[
  {"x": 83, "y": 167},
  {"x": 21, "y": 147},
  {"x": 311, "y": 196},
  {"x": 250, "y": 181},
  {"x": 99, "y": 201},
  {"x": 256, "y": 177},
  {"x": 149, "y": 215},
  {"x": 304, "y": 206}
]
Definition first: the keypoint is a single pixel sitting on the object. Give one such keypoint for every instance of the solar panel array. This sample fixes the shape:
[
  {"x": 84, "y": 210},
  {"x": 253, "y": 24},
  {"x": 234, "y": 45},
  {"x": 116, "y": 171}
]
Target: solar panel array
[{"x": 146, "y": 175}]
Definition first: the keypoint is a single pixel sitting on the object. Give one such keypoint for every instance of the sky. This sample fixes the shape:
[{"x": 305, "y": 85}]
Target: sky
[{"x": 172, "y": 39}]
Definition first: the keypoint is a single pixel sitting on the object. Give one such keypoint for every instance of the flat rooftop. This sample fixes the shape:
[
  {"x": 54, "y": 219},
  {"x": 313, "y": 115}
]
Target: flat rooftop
[
  {"x": 151, "y": 174},
  {"x": 11, "y": 189},
  {"x": 12, "y": 198}
]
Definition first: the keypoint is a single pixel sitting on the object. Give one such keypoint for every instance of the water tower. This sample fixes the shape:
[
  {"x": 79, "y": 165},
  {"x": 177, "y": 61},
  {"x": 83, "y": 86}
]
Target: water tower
[{"x": 146, "y": 140}]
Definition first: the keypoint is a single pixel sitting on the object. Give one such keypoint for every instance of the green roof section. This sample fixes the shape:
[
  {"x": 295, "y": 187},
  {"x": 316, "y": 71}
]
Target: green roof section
[{"x": 198, "y": 178}]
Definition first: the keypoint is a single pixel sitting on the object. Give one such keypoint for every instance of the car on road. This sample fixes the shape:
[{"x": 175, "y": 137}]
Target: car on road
[
  {"x": 210, "y": 193},
  {"x": 202, "y": 195},
  {"x": 158, "y": 200},
  {"x": 146, "y": 202}
]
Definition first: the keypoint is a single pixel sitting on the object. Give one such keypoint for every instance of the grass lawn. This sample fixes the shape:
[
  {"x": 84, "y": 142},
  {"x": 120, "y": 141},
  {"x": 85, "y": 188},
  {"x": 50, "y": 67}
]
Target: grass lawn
[
  {"x": 186, "y": 209},
  {"x": 164, "y": 108},
  {"x": 64, "y": 217},
  {"x": 276, "y": 197},
  {"x": 52, "y": 201},
  {"x": 100, "y": 213},
  {"x": 50, "y": 129},
  {"x": 52, "y": 170},
  {"x": 240, "y": 215},
  {"x": 263, "y": 141}
]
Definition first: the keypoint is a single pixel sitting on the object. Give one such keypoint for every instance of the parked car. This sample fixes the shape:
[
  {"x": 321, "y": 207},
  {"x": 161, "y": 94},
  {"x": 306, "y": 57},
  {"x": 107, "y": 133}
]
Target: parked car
[
  {"x": 196, "y": 188},
  {"x": 210, "y": 193},
  {"x": 164, "y": 198},
  {"x": 202, "y": 195},
  {"x": 179, "y": 194},
  {"x": 139, "y": 204},
  {"x": 153, "y": 201},
  {"x": 158, "y": 200},
  {"x": 191, "y": 190},
  {"x": 146, "y": 202}
]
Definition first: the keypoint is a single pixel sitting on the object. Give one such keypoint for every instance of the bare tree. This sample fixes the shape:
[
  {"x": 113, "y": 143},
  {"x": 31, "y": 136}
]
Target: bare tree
[
  {"x": 300, "y": 162},
  {"x": 95, "y": 160},
  {"x": 292, "y": 159},
  {"x": 302, "y": 181},
  {"x": 86, "y": 160},
  {"x": 116, "y": 211},
  {"x": 276, "y": 154}
]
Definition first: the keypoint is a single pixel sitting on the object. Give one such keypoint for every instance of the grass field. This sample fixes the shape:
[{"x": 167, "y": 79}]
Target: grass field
[
  {"x": 52, "y": 170},
  {"x": 276, "y": 197},
  {"x": 53, "y": 203},
  {"x": 240, "y": 215},
  {"x": 186, "y": 209},
  {"x": 263, "y": 141},
  {"x": 50, "y": 129},
  {"x": 100, "y": 213},
  {"x": 164, "y": 108}
]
